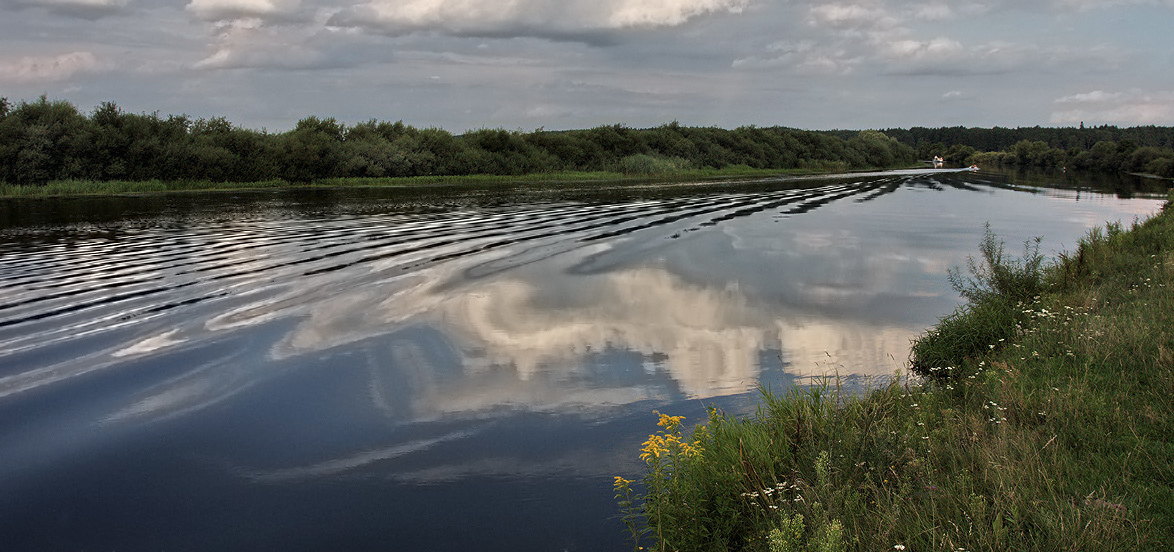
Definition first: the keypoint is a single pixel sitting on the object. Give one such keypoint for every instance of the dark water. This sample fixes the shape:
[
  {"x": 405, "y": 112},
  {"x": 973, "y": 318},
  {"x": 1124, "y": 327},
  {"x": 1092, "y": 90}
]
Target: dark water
[{"x": 446, "y": 369}]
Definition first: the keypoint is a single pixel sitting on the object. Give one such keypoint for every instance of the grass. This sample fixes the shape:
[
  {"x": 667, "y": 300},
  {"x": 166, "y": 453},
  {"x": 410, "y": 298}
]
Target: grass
[
  {"x": 638, "y": 174},
  {"x": 60, "y": 188},
  {"x": 1045, "y": 422}
]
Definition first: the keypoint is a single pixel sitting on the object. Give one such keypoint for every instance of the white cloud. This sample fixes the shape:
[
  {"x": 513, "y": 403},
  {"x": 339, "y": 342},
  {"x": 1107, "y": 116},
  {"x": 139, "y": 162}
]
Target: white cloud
[
  {"x": 1091, "y": 97},
  {"x": 1133, "y": 107},
  {"x": 667, "y": 13},
  {"x": 937, "y": 48},
  {"x": 528, "y": 17},
  {"x": 47, "y": 69},
  {"x": 248, "y": 42},
  {"x": 215, "y": 10},
  {"x": 848, "y": 15}
]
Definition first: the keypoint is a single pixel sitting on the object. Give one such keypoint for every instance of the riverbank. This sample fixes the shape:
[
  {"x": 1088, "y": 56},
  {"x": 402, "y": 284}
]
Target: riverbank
[
  {"x": 1044, "y": 421},
  {"x": 62, "y": 188}
]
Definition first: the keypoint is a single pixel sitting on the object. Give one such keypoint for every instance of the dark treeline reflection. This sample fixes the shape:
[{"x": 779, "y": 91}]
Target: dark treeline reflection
[
  {"x": 97, "y": 213},
  {"x": 42, "y": 141}
]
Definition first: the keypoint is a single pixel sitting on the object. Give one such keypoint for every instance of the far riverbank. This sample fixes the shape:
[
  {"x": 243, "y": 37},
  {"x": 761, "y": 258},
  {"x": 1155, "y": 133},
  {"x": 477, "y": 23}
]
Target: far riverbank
[{"x": 67, "y": 188}]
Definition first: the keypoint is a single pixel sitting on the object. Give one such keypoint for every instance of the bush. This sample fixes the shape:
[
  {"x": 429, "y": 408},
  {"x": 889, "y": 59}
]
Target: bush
[
  {"x": 1163, "y": 166},
  {"x": 995, "y": 290},
  {"x": 999, "y": 275}
]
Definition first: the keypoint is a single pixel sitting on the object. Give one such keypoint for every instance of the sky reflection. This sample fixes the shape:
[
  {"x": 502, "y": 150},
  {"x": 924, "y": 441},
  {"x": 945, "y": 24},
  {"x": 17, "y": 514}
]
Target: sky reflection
[{"x": 504, "y": 350}]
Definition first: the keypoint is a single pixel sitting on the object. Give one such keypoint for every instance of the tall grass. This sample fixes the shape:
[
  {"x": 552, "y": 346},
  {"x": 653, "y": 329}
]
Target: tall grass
[
  {"x": 1060, "y": 437},
  {"x": 120, "y": 187},
  {"x": 995, "y": 288}
]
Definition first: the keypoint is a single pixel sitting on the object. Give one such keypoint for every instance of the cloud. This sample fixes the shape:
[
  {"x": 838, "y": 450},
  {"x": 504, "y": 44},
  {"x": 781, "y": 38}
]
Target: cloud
[
  {"x": 1091, "y": 97},
  {"x": 47, "y": 69},
  {"x": 667, "y": 13},
  {"x": 851, "y": 16},
  {"x": 218, "y": 10},
  {"x": 908, "y": 49},
  {"x": 933, "y": 12},
  {"x": 83, "y": 9},
  {"x": 948, "y": 57},
  {"x": 1133, "y": 107},
  {"x": 250, "y": 43},
  {"x": 1086, "y": 5},
  {"x": 542, "y": 18},
  {"x": 805, "y": 57}
]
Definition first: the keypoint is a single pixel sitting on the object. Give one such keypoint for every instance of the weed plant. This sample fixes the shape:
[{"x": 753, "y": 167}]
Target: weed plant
[
  {"x": 1059, "y": 437},
  {"x": 995, "y": 288}
]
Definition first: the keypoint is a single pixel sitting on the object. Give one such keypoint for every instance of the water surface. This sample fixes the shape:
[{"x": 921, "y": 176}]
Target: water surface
[{"x": 452, "y": 368}]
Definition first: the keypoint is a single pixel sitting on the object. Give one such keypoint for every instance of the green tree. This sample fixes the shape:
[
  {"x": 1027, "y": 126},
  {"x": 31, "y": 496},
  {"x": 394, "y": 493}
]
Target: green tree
[
  {"x": 43, "y": 141},
  {"x": 312, "y": 149}
]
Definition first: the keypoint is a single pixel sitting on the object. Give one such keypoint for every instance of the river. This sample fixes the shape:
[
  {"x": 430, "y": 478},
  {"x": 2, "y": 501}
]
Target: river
[{"x": 446, "y": 368}]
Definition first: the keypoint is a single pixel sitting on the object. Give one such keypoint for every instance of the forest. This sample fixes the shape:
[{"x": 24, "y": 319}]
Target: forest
[
  {"x": 44, "y": 141},
  {"x": 1142, "y": 149}
]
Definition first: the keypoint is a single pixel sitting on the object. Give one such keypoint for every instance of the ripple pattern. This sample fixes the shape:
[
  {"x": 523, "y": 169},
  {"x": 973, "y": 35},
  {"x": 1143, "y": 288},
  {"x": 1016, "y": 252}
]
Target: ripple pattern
[{"x": 92, "y": 283}]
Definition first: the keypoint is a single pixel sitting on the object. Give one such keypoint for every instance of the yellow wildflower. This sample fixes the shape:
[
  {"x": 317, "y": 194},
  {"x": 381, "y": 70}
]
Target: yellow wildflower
[{"x": 671, "y": 423}]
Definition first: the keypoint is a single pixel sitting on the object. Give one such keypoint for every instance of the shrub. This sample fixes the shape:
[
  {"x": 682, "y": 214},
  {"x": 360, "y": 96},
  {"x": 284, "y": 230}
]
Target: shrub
[
  {"x": 1163, "y": 166},
  {"x": 995, "y": 289},
  {"x": 999, "y": 275}
]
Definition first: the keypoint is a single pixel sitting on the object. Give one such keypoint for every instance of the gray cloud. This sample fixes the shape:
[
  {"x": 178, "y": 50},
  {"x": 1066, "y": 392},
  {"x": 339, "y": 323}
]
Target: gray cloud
[
  {"x": 1135, "y": 107},
  {"x": 44, "y": 69},
  {"x": 893, "y": 38},
  {"x": 942, "y": 56},
  {"x": 465, "y": 64},
  {"x": 246, "y": 43},
  {"x": 82, "y": 9}
]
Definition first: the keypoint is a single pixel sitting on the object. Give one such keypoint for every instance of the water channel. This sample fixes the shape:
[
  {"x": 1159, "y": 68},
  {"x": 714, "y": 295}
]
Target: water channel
[{"x": 447, "y": 368}]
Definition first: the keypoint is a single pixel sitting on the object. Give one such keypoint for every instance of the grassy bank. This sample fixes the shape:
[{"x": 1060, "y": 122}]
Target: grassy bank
[
  {"x": 1044, "y": 421},
  {"x": 84, "y": 187}
]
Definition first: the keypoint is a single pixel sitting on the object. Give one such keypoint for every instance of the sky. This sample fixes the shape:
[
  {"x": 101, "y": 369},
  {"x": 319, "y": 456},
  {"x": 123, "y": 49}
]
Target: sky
[{"x": 563, "y": 64}]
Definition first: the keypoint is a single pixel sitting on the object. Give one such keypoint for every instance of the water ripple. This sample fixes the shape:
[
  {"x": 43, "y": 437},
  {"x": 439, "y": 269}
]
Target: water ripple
[{"x": 188, "y": 273}]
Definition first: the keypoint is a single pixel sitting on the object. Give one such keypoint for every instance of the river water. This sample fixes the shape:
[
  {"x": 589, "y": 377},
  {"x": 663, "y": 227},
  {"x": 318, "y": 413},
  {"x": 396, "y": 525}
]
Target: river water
[{"x": 453, "y": 368}]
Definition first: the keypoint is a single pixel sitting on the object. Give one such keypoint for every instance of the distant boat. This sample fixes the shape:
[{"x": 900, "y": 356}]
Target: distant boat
[
  {"x": 937, "y": 162},
  {"x": 972, "y": 168}
]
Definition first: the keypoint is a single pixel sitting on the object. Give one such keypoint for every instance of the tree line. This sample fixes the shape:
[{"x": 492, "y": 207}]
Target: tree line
[
  {"x": 1141, "y": 149},
  {"x": 1106, "y": 155},
  {"x": 43, "y": 141}
]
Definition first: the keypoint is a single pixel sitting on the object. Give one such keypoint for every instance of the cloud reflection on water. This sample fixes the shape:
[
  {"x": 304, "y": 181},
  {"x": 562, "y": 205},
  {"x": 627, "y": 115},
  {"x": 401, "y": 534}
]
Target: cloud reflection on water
[
  {"x": 518, "y": 344},
  {"x": 720, "y": 289},
  {"x": 356, "y": 352}
]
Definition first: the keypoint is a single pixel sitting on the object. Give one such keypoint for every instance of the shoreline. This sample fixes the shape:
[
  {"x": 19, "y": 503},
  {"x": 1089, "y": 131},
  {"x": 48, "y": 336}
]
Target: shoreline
[
  {"x": 1042, "y": 421},
  {"x": 62, "y": 189}
]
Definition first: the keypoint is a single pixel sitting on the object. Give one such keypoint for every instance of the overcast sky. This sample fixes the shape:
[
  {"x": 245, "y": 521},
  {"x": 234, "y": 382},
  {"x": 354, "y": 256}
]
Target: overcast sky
[{"x": 524, "y": 64}]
